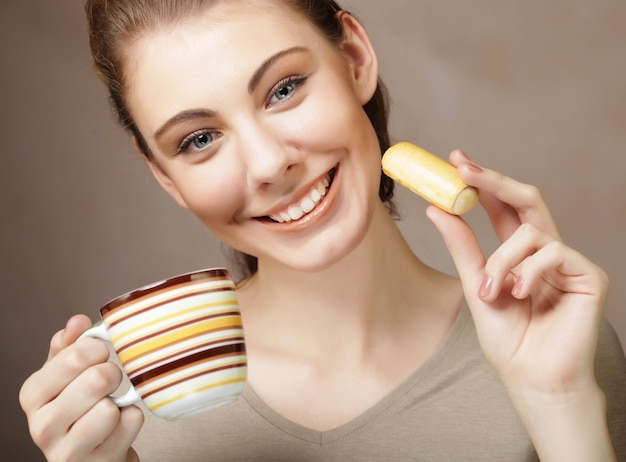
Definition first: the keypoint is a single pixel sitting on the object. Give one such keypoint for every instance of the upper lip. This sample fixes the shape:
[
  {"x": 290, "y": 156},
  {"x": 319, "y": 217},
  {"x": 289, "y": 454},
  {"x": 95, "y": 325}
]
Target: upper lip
[{"x": 297, "y": 196}]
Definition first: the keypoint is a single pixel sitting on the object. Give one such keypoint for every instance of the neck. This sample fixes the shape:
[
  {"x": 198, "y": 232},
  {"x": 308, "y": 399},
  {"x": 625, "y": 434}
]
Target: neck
[{"x": 364, "y": 298}]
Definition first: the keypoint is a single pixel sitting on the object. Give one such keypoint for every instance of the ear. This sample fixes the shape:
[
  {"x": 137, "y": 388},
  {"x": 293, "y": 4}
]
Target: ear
[
  {"x": 361, "y": 57},
  {"x": 161, "y": 177}
]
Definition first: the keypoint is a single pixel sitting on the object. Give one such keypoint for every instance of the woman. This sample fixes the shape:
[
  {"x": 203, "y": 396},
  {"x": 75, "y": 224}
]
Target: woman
[{"x": 266, "y": 119}]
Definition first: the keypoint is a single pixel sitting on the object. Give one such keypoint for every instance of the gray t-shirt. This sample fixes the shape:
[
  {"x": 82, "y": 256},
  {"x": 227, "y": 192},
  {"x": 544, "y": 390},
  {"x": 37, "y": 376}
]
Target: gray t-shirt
[{"x": 453, "y": 408}]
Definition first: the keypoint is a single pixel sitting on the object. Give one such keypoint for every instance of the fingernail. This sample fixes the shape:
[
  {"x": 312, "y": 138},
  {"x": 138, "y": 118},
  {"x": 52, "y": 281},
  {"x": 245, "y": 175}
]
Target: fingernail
[
  {"x": 485, "y": 287},
  {"x": 462, "y": 153},
  {"x": 473, "y": 167}
]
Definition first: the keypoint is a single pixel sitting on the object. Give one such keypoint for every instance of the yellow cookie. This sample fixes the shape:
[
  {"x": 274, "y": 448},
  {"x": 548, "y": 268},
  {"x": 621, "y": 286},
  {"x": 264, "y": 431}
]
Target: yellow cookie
[{"x": 429, "y": 176}]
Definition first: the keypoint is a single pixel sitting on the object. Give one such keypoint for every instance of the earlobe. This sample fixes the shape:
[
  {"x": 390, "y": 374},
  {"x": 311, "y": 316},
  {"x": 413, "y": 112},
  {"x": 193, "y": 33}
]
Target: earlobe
[
  {"x": 161, "y": 177},
  {"x": 361, "y": 56}
]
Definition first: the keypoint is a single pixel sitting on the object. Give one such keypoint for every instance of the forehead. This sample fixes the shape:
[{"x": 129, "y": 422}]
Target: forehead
[{"x": 220, "y": 46}]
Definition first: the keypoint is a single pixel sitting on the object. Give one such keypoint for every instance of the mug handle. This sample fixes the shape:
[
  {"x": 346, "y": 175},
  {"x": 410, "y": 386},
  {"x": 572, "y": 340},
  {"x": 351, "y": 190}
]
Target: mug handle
[{"x": 101, "y": 332}]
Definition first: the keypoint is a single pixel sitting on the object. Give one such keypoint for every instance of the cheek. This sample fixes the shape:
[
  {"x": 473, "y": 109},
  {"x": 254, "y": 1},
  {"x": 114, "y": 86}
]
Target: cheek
[
  {"x": 214, "y": 199},
  {"x": 343, "y": 123},
  {"x": 329, "y": 117}
]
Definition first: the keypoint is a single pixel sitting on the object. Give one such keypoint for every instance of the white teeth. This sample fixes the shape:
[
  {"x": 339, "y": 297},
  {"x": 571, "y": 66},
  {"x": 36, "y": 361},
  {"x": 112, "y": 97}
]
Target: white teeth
[
  {"x": 321, "y": 189},
  {"x": 316, "y": 196},
  {"x": 295, "y": 212},
  {"x": 306, "y": 205}
]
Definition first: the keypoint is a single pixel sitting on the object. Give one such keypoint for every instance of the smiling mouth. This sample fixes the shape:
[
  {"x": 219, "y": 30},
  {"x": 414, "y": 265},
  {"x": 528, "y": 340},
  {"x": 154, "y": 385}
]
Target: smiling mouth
[{"x": 306, "y": 205}]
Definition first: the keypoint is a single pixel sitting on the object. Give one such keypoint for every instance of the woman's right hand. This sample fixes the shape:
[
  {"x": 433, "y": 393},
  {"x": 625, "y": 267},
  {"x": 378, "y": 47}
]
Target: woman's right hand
[{"x": 70, "y": 415}]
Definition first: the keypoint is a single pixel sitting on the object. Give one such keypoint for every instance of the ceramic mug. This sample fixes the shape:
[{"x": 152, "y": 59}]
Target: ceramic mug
[{"x": 180, "y": 342}]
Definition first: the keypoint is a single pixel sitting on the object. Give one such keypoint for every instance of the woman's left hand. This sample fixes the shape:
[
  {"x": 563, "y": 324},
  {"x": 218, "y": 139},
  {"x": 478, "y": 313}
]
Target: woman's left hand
[{"x": 537, "y": 304}]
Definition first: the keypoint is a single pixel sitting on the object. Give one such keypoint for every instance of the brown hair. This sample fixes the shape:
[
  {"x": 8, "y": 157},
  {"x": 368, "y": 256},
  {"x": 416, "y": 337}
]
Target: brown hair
[{"x": 113, "y": 24}]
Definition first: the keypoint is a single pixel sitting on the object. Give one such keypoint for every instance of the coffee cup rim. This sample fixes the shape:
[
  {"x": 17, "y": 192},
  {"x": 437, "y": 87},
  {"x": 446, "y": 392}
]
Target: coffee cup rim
[{"x": 147, "y": 289}]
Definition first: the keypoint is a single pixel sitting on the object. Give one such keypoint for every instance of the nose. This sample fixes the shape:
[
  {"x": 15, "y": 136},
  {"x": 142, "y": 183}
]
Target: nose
[{"x": 269, "y": 157}]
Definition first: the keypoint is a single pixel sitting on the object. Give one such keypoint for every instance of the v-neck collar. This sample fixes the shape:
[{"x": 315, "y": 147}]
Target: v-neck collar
[{"x": 361, "y": 422}]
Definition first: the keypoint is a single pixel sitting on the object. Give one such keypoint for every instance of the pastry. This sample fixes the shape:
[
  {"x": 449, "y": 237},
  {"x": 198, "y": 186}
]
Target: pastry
[{"x": 429, "y": 176}]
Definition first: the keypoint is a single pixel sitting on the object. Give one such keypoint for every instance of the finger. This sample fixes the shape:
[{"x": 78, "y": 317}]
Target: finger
[
  {"x": 50, "y": 423},
  {"x": 47, "y": 383},
  {"x": 503, "y": 217},
  {"x": 87, "y": 433},
  {"x": 462, "y": 244},
  {"x": 75, "y": 326},
  {"x": 120, "y": 440},
  {"x": 90, "y": 387},
  {"x": 496, "y": 189},
  {"x": 505, "y": 260},
  {"x": 565, "y": 270},
  {"x": 93, "y": 428}
]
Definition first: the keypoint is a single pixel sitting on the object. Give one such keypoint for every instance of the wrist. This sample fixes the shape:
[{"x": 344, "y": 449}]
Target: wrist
[{"x": 568, "y": 426}]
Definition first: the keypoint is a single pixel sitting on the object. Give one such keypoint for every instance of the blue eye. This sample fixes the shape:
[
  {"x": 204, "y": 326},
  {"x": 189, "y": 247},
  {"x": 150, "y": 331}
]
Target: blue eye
[
  {"x": 197, "y": 141},
  {"x": 282, "y": 93},
  {"x": 202, "y": 140},
  {"x": 285, "y": 89}
]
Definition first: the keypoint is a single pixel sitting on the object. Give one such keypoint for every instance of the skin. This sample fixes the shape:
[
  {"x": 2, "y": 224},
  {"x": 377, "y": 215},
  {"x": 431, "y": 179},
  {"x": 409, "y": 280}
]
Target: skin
[
  {"x": 364, "y": 297},
  {"x": 267, "y": 152}
]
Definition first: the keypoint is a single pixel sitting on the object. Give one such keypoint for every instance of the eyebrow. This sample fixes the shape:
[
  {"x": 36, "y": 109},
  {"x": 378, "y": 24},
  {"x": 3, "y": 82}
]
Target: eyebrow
[
  {"x": 252, "y": 84},
  {"x": 182, "y": 117},
  {"x": 258, "y": 75}
]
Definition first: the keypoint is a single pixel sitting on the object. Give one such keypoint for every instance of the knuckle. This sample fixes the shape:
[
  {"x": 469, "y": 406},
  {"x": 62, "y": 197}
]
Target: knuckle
[
  {"x": 76, "y": 360},
  {"x": 25, "y": 397},
  {"x": 88, "y": 353},
  {"x": 498, "y": 266},
  {"x": 494, "y": 264},
  {"x": 602, "y": 278},
  {"x": 107, "y": 410},
  {"x": 555, "y": 247},
  {"x": 529, "y": 231},
  {"x": 102, "y": 378},
  {"x": 531, "y": 194},
  {"x": 605, "y": 277}
]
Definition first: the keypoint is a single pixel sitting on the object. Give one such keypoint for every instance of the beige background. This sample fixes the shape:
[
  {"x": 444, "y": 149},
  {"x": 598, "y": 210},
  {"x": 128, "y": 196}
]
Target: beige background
[{"x": 535, "y": 89}]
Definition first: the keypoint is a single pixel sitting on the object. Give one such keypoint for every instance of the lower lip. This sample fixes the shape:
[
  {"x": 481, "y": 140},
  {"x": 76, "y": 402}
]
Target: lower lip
[{"x": 321, "y": 209}]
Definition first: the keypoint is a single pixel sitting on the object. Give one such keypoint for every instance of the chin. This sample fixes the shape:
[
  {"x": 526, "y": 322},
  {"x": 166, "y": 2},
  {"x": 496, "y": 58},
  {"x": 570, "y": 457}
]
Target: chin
[{"x": 319, "y": 258}]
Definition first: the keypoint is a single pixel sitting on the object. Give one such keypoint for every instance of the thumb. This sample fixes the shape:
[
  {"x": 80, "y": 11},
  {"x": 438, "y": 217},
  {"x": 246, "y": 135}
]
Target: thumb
[{"x": 462, "y": 244}]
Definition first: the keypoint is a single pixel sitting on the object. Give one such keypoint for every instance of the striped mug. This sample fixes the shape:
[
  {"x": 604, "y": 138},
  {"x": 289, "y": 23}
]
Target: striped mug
[{"x": 180, "y": 342}]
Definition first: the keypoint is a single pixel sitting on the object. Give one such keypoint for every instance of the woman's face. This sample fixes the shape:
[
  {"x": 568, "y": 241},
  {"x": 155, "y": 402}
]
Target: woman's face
[{"x": 256, "y": 125}]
